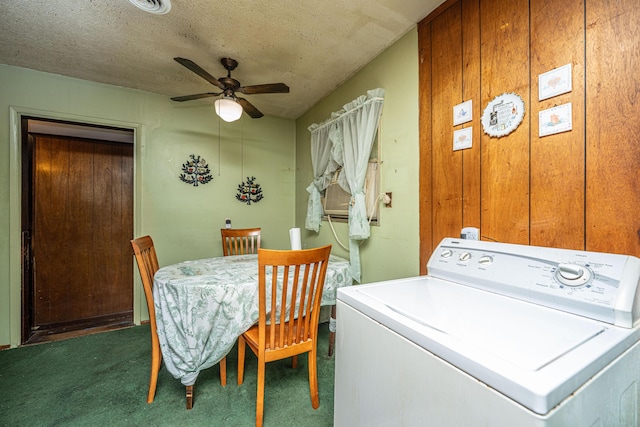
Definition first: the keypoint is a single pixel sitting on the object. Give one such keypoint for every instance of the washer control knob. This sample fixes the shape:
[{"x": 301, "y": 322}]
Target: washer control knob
[
  {"x": 572, "y": 274},
  {"x": 446, "y": 253},
  {"x": 465, "y": 256},
  {"x": 570, "y": 271},
  {"x": 485, "y": 260}
]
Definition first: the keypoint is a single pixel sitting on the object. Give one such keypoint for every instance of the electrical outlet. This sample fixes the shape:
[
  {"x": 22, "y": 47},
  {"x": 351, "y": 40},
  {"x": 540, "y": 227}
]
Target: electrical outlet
[
  {"x": 387, "y": 200},
  {"x": 470, "y": 233}
]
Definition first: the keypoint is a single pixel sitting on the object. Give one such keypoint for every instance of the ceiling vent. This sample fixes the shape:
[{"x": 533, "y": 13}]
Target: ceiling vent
[{"x": 157, "y": 7}]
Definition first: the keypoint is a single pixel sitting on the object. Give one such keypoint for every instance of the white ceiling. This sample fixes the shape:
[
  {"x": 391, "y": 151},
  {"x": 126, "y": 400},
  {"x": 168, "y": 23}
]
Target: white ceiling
[{"x": 311, "y": 45}]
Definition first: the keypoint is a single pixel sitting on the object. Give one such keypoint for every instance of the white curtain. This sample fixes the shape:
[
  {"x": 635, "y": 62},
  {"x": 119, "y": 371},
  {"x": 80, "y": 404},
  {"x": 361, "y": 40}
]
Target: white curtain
[
  {"x": 323, "y": 167},
  {"x": 350, "y": 135},
  {"x": 359, "y": 126}
]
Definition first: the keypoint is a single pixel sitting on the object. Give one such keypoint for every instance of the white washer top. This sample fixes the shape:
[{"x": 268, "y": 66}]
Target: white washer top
[
  {"x": 525, "y": 335},
  {"x": 535, "y": 355}
]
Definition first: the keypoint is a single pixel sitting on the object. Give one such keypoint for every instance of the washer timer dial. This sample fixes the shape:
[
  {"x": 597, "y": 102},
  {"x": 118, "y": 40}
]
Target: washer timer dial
[{"x": 572, "y": 274}]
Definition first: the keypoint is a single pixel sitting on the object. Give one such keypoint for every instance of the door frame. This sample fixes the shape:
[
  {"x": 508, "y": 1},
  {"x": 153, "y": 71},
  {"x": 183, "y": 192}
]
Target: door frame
[{"x": 15, "y": 205}]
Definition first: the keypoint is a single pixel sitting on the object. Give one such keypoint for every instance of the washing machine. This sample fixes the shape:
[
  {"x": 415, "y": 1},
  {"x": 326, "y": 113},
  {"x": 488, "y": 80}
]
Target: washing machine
[{"x": 495, "y": 335}]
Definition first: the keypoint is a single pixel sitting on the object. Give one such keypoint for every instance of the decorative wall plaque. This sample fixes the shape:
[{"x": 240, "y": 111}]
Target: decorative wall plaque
[
  {"x": 195, "y": 171},
  {"x": 249, "y": 191},
  {"x": 503, "y": 115}
]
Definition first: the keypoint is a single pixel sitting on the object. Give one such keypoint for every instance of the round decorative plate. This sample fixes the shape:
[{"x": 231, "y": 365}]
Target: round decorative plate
[{"x": 503, "y": 115}]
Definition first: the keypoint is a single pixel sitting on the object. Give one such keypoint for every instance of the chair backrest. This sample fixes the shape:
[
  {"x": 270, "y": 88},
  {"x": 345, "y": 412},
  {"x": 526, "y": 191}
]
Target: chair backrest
[
  {"x": 293, "y": 280},
  {"x": 240, "y": 241},
  {"x": 147, "y": 261}
]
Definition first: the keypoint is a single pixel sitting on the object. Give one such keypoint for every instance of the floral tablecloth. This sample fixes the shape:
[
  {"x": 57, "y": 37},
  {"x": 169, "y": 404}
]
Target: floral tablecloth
[{"x": 203, "y": 306}]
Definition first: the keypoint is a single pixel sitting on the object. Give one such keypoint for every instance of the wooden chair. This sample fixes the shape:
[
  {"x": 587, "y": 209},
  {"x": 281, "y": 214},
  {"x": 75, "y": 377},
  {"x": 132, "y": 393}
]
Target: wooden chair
[
  {"x": 282, "y": 333},
  {"x": 240, "y": 241},
  {"x": 147, "y": 260}
]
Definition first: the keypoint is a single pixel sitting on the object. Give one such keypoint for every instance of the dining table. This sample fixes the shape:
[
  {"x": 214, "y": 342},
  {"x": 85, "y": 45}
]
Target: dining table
[{"x": 203, "y": 306}]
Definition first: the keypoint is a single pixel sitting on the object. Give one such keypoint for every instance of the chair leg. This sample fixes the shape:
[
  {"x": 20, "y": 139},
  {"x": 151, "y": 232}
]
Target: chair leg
[
  {"x": 294, "y": 361},
  {"x": 241, "y": 348},
  {"x": 223, "y": 371},
  {"x": 156, "y": 361},
  {"x": 189, "y": 393},
  {"x": 313, "y": 378},
  {"x": 260, "y": 392}
]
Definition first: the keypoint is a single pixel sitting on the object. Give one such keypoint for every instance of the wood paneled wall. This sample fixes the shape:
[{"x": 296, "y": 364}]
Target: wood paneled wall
[{"x": 578, "y": 189}]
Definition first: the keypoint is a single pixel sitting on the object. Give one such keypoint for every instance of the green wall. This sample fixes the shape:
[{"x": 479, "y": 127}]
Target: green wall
[
  {"x": 183, "y": 220},
  {"x": 392, "y": 251}
]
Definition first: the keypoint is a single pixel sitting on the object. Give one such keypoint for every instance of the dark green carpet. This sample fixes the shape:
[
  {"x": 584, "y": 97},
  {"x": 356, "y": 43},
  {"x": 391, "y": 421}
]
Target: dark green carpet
[{"x": 102, "y": 380}]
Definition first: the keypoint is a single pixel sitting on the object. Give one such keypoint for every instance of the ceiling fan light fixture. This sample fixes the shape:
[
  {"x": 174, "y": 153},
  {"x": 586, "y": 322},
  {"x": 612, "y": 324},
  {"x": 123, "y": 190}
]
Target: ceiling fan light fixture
[{"x": 228, "y": 109}]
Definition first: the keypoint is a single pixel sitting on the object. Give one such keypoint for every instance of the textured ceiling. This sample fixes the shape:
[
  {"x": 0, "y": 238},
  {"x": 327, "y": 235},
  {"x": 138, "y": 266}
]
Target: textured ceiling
[{"x": 311, "y": 45}]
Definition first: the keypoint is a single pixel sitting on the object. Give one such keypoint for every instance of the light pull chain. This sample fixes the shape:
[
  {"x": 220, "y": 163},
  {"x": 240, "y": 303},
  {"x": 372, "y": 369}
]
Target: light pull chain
[
  {"x": 219, "y": 146},
  {"x": 242, "y": 147}
]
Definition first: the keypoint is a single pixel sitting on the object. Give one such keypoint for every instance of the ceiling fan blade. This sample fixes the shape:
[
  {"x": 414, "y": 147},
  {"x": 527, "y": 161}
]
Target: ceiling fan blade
[
  {"x": 249, "y": 108},
  {"x": 199, "y": 71},
  {"x": 266, "y": 88},
  {"x": 196, "y": 96}
]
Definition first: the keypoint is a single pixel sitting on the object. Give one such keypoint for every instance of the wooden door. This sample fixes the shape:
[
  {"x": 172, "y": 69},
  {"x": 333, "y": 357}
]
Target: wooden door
[{"x": 82, "y": 224}]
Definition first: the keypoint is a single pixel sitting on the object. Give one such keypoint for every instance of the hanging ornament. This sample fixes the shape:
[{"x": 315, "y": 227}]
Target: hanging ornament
[
  {"x": 249, "y": 191},
  {"x": 196, "y": 171}
]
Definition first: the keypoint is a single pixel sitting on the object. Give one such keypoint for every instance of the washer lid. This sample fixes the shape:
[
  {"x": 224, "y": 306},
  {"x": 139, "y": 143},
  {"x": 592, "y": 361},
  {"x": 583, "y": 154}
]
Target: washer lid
[
  {"x": 525, "y": 335},
  {"x": 533, "y": 354}
]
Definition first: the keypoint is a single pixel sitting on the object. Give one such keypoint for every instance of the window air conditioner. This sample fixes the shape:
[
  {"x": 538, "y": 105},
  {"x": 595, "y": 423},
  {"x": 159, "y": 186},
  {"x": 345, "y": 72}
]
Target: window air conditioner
[{"x": 336, "y": 200}]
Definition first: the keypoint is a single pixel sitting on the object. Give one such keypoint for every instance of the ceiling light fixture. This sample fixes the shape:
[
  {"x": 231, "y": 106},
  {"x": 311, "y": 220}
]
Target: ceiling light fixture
[
  {"x": 157, "y": 7},
  {"x": 228, "y": 109}
]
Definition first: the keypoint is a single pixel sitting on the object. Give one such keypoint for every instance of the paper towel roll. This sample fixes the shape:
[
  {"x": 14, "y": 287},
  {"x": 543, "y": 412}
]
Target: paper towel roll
[{"x": 294, "y": 237}]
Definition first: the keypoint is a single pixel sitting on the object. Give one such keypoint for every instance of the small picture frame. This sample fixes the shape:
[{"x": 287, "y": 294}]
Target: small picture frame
[
  {"x": 554, "y": 82},
  {"x": 462, "y": 138},
  {"x": 555, "y": 120},
  {"x": 462, "y": 113}
]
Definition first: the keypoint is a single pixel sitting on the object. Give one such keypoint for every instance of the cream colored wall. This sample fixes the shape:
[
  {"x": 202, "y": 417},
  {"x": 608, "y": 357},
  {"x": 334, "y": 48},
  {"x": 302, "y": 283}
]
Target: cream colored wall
[
  {"x": 392, "y": 250},
  {"x": 183, "y": 220}
]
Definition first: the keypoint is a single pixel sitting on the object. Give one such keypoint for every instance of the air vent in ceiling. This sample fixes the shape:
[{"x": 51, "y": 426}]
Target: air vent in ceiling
[{"x": 157, "y": 7}]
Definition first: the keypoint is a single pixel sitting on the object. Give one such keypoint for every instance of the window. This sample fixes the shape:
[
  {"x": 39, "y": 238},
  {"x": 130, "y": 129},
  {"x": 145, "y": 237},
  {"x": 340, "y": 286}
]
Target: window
[{"x": 336, "y": 200}]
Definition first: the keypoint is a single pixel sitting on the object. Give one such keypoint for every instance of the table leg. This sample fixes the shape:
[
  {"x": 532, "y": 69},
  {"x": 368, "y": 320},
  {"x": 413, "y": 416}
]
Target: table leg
[
  {"x": 332, "y": 329},
  {"x": 189, "y": 396}
]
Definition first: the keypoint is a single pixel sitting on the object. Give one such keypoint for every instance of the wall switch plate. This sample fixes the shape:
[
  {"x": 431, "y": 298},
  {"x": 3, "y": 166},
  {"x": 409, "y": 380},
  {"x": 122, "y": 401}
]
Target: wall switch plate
[{"x": 227, "y": 223}]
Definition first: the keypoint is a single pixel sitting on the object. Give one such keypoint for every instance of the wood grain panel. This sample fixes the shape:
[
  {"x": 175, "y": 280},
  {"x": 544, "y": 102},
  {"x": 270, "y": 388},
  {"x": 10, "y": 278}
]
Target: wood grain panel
[
  {"x": 505, "y": 161},
  {"x": 613, "y": 126},
  {"x": 424, "y": 96},
  {"x": 557, "y": 161},
  {"x": 446, "y": 34},
  {"x": 82, "y": 224},
  {"x": 579, "y": 189},
  {"x": 471, "y": 90}
]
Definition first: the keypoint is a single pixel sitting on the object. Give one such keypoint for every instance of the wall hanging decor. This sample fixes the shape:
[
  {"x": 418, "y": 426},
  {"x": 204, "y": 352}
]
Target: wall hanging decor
[
  {"x": 249, "y": 191},
  {"x": 195, "y": 171},
  {"x": 503, "y": 115}
]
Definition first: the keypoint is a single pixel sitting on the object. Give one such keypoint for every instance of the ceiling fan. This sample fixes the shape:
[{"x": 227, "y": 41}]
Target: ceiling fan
[{"x": 229, "y": 86}]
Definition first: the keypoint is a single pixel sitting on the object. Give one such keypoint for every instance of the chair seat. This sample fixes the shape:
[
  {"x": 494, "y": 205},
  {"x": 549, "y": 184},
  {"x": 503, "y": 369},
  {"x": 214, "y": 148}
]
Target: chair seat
[{"x": 252, "y": 339}]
